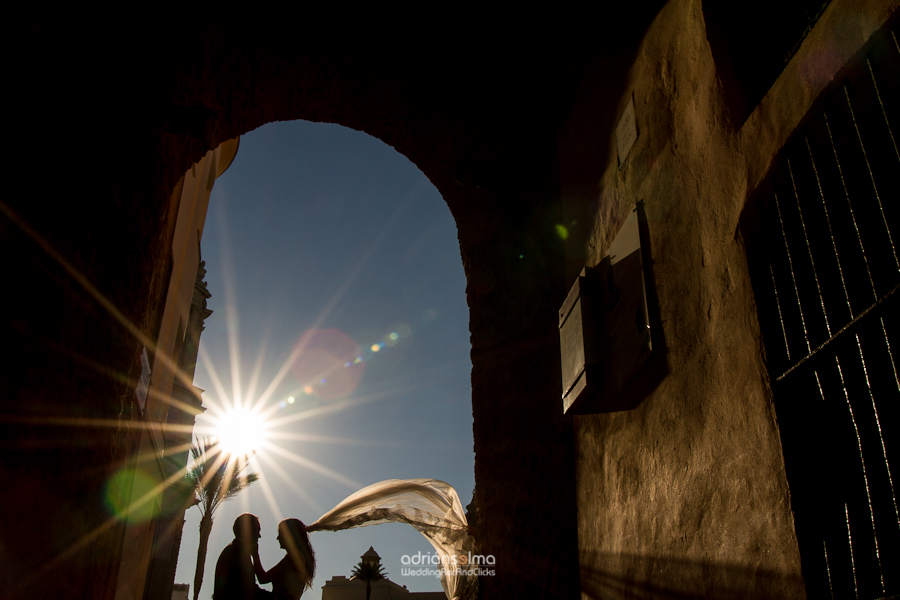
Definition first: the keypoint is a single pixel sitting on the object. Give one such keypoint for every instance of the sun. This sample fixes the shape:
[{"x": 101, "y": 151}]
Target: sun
[{"x": 240, "y": 432}]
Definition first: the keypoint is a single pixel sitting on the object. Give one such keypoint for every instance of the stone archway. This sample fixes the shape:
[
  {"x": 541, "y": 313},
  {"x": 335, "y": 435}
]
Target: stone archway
[
  {"x": 514, "y": 268},
  {"x": 499, "y": 180},
  {"x": 458, "y": 116}
]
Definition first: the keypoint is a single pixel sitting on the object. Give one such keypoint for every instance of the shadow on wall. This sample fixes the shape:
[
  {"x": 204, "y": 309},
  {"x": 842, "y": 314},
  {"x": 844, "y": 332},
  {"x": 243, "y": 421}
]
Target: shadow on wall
[
  {"x": 654, "y": 578},
  {"x": 647, "y": 379}
]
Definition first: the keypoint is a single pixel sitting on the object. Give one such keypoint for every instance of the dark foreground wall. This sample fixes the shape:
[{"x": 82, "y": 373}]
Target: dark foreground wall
[{"x": 102, "y": 122}]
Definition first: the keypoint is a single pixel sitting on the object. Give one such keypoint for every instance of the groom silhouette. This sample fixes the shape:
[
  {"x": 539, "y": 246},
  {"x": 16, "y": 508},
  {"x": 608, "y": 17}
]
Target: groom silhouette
[{"x": 234, "y": 569}]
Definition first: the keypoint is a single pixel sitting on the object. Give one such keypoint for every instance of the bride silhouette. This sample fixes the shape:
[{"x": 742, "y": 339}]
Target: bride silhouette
[{"x": 295, "y": 572}]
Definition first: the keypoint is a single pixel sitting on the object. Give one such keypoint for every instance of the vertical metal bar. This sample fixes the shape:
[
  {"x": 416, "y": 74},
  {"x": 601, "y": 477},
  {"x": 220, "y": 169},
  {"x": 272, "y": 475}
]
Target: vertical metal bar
[
  {"x": 852, "y": 558},
  {"x": 883, "y": 111},
  {"x": 862, "y": 460},
  {"x": 891, "y": 354},
  {"x": 828, "y": 570},
  {"x": 780, "y": 317},
  {"x": 837, "y": 256},
  {"x": 808, "y": 248},
  {"x": 793, "y": 277},
  {"x": 824, "y": 546},
  {"x": 872, "y": 177},
  {"x": 877, "y": 420},
  {"x": 837, "y": 161}
]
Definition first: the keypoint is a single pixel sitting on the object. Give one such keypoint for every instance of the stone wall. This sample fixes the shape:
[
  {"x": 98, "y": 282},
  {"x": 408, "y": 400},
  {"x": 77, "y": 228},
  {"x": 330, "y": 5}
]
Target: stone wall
[{"x": 686, "y": 495}]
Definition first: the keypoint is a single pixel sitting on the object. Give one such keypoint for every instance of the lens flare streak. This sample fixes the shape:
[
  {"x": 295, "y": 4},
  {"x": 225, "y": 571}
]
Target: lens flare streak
[
  {"x": 350, "y": 483},
  {"x": 289, "y": 480},
  {"x": 327, "y": 439},
  {"x": 267, "y": 490}
]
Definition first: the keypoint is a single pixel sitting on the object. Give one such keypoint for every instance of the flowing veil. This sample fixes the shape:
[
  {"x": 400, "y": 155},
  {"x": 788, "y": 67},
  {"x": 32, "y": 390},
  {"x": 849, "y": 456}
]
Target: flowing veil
[{"x": 432, "y": 507}]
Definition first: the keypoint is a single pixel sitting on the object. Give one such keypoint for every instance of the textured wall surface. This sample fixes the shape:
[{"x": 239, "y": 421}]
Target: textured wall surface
[{"x": 685, "y": 495}]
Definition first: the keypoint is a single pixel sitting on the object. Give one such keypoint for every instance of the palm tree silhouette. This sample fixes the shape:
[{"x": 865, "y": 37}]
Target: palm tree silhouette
[
  {"x": 216, "y": 478},
  {"x": 368, "y": 571}
]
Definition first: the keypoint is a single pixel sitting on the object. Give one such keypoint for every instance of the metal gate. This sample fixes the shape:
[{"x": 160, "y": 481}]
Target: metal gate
[{"x": 824, "y": 253}]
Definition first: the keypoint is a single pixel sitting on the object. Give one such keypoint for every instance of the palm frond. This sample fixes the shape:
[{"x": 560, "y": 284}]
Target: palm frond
[
  {"x": 368, "y": 571},
  {"x": 215, "y": 476}
]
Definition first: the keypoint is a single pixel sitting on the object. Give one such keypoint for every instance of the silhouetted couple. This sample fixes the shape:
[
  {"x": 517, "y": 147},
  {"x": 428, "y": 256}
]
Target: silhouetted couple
[{"x": 238, "y": 567}]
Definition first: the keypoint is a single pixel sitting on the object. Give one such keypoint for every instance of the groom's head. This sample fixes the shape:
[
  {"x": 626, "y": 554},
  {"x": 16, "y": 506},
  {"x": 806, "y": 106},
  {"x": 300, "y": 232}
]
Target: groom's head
[{"x": 247, "y": 528}]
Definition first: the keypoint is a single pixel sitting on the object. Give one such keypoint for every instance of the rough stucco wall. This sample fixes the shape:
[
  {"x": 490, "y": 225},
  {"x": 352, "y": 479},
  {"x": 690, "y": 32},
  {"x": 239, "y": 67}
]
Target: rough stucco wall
[{"x": 686, "y": 494}]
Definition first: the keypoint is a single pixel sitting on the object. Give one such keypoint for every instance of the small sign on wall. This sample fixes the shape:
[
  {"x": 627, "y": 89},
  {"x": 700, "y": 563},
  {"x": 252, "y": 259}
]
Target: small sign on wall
[
  {"x": 143, "y": 384},
  {"x": 626, "y": 132}
]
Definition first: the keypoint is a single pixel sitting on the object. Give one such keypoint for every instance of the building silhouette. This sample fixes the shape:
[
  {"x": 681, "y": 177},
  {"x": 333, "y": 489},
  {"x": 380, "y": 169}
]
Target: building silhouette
[{"x": 340, "y": 587}]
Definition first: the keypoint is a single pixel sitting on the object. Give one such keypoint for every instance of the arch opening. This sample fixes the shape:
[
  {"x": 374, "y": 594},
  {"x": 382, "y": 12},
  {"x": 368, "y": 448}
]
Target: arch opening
[{"x": 342, "y": 322}]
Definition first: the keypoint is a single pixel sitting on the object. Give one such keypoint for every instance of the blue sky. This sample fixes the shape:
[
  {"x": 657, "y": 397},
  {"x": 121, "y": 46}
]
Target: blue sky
[{"x": 316, "y": 226}]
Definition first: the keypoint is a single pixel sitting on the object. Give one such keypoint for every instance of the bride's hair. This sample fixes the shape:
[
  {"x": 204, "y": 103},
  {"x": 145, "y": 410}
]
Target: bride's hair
[{"x": 296, "y": 542}]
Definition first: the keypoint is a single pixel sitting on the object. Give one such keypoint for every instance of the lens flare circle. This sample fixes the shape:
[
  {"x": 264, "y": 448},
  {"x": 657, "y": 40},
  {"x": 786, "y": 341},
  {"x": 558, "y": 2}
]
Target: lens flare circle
[
  {"x": 325, "y": 363},
  {"x": 240, "y": 432},
  {"x": 129, "y": 495}
]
